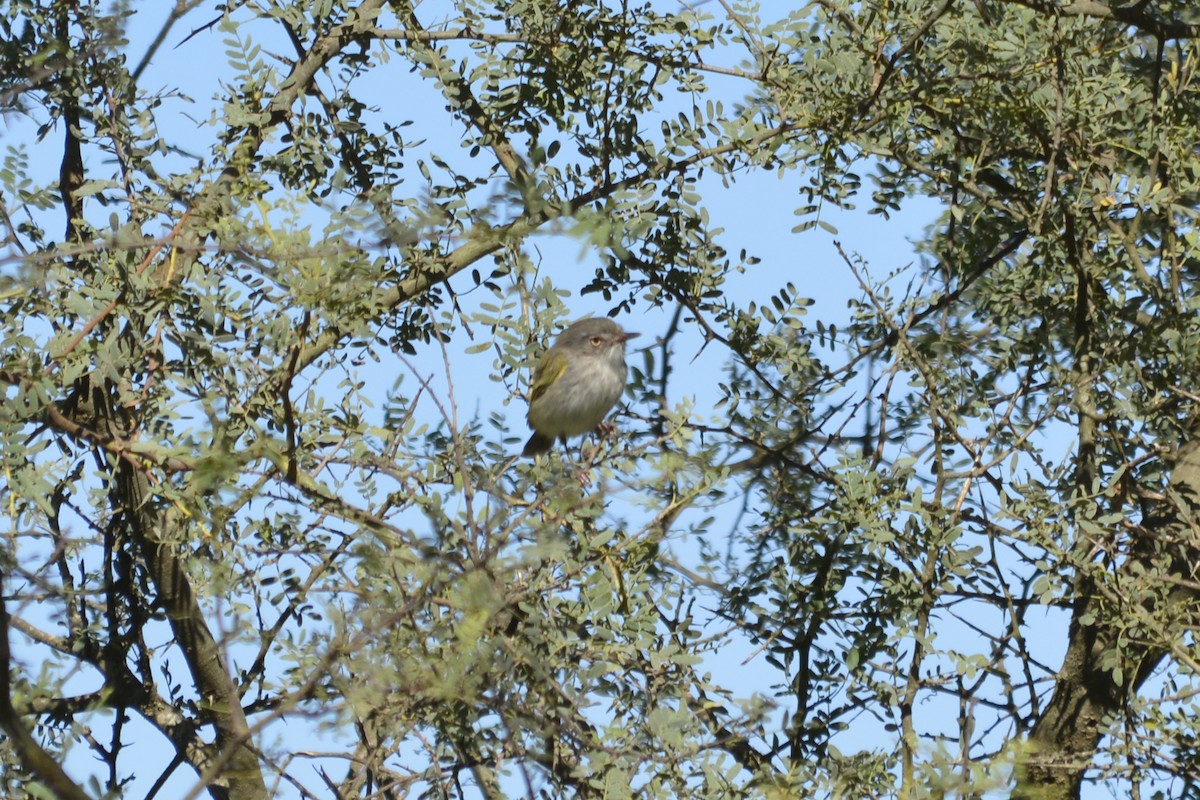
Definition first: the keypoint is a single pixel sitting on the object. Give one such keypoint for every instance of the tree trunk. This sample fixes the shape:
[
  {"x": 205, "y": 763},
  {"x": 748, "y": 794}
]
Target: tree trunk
[
  {"x": 233, "y": 758},
  {"x": 1064, "y": 739}
]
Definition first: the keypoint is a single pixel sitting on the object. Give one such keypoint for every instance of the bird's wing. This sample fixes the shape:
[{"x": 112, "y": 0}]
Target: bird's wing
[{"x": 548, "y": 371}]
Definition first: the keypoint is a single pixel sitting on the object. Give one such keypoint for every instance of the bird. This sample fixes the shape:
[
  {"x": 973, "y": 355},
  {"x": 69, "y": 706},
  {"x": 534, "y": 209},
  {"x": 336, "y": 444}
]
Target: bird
[{"x": 576, "y": 382}]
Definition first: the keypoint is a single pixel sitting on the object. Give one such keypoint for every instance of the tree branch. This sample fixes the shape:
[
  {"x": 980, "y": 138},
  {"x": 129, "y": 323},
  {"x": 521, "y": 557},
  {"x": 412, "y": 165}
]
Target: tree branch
[
  {"x": 1134, "y": 15},
  {"x": 35, "y": 760}
]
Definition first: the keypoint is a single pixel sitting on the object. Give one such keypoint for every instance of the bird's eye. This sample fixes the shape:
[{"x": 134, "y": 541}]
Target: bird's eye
[{"x": 597, "y": 341}]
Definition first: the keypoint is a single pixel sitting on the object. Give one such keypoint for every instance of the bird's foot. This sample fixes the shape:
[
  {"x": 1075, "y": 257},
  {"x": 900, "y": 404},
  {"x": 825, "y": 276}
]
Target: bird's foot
[{"x": 584, "y": 476}]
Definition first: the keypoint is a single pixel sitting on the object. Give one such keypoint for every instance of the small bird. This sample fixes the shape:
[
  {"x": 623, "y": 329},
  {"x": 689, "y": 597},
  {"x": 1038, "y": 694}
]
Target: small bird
[{"x": 576, "y": 382}]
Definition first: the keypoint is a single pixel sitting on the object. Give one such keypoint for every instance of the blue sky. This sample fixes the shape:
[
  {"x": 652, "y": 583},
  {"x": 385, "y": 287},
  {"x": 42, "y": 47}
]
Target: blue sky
[{"x": 756, "y": 213}]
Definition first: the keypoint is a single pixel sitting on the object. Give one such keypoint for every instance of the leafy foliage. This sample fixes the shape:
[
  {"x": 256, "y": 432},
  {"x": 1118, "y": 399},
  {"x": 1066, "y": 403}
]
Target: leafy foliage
[{"x": 248, "y": 505}]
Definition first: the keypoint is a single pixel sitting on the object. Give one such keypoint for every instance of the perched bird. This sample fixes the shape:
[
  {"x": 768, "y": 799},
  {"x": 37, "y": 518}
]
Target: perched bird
[{"x": 576, "y": 382}]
